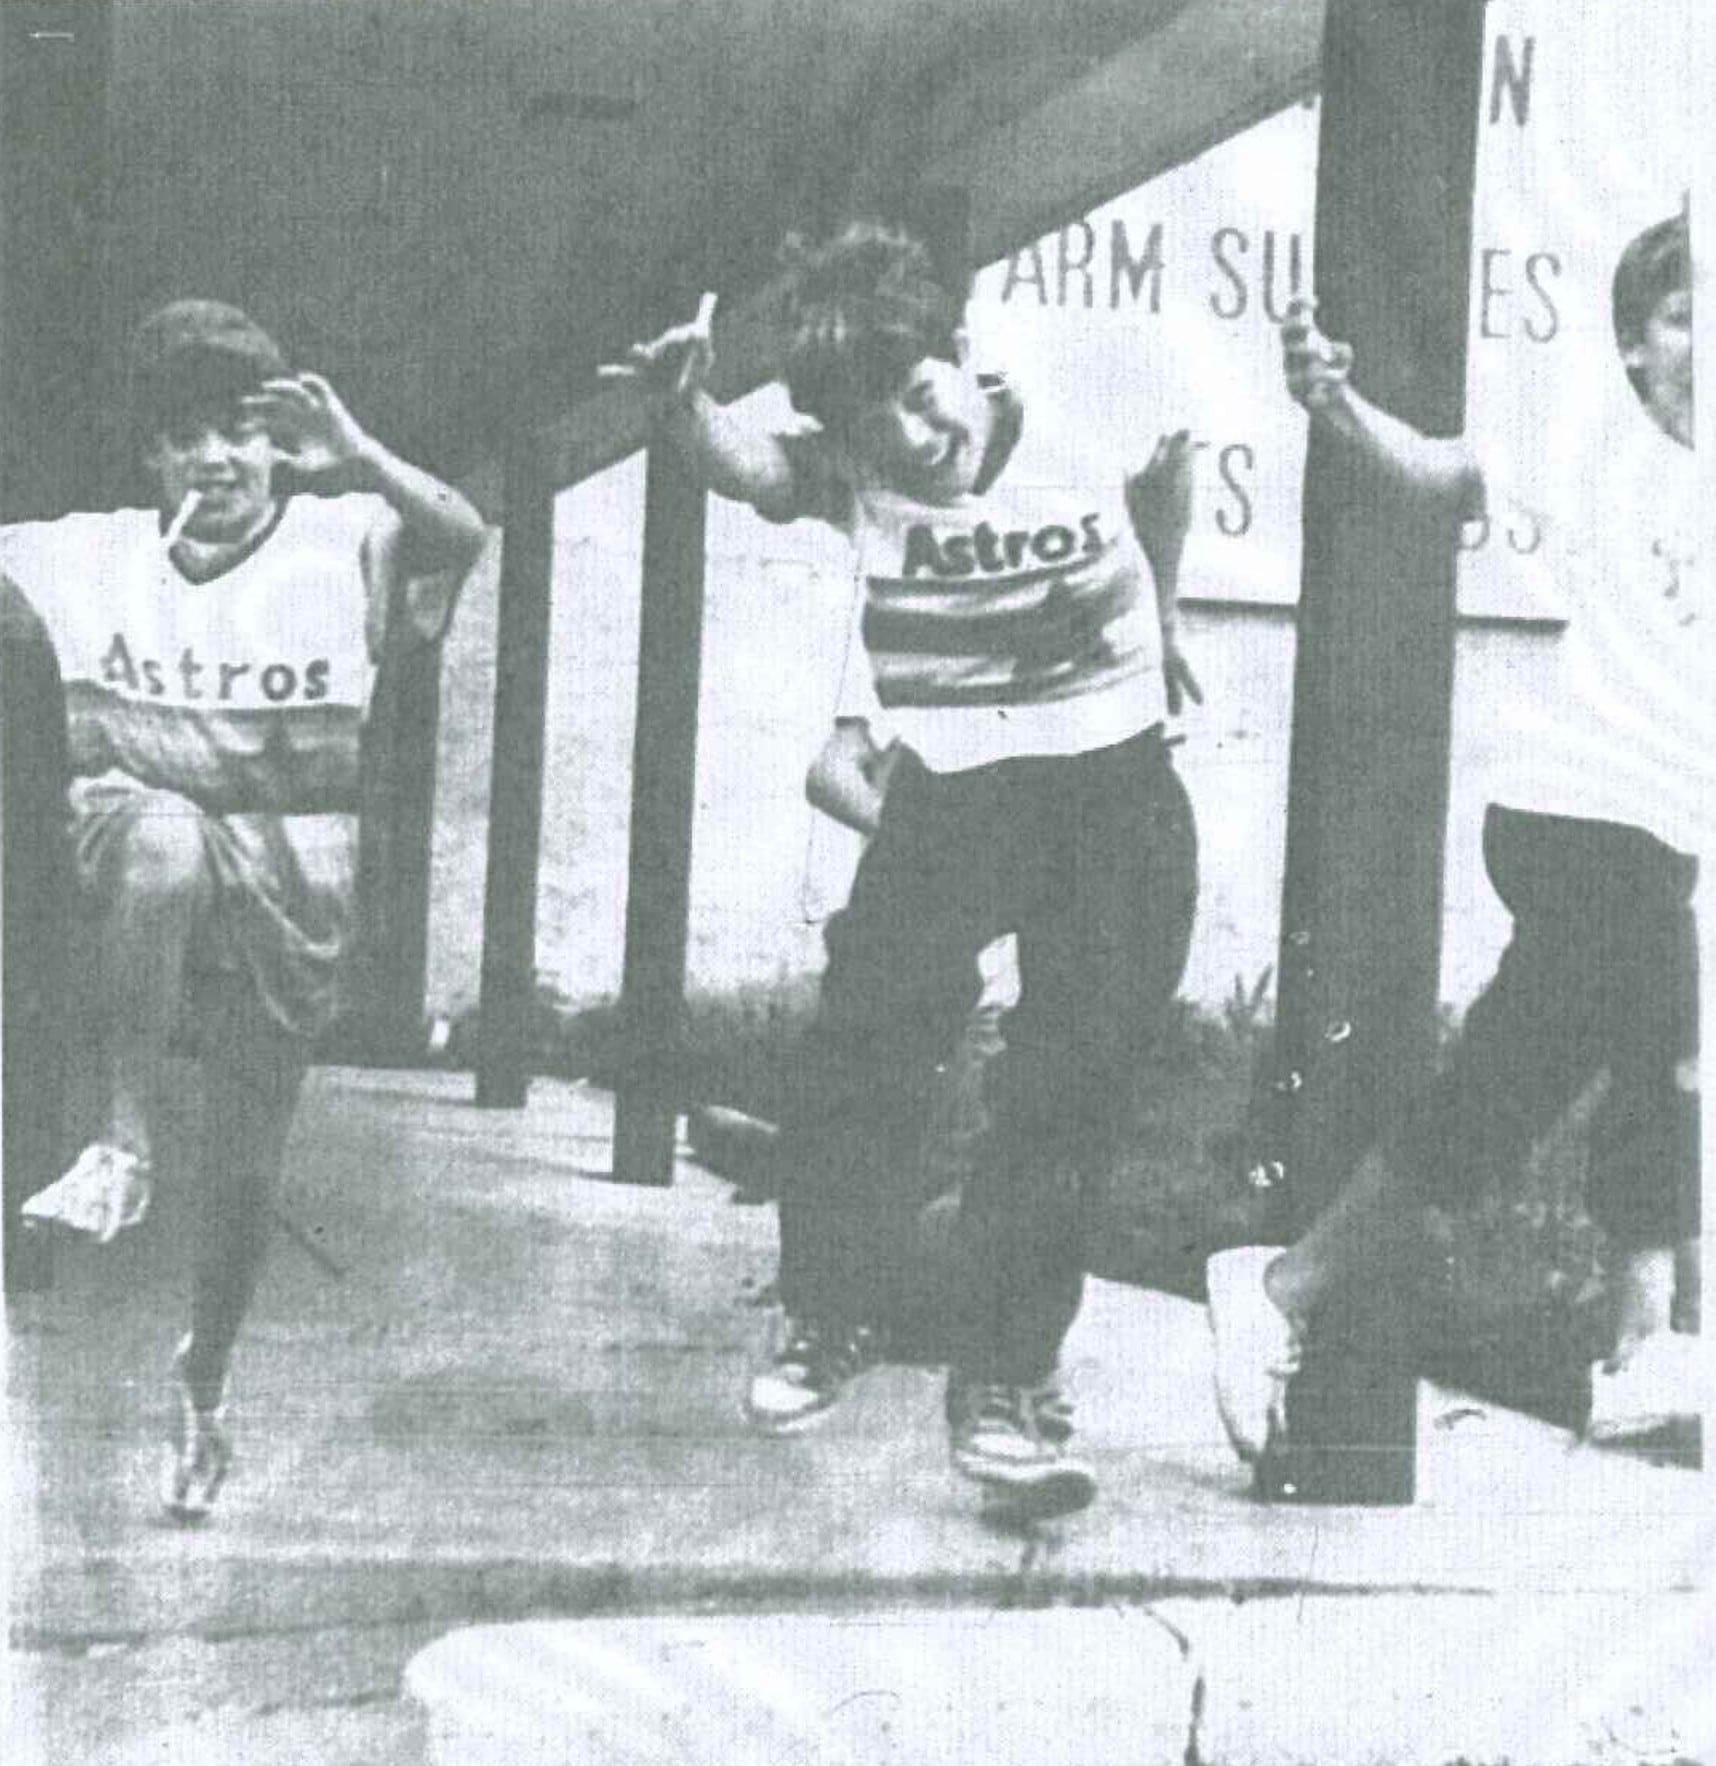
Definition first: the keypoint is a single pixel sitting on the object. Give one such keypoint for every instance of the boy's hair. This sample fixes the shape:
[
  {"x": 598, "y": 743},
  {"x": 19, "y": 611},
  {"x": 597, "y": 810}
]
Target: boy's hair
[
  {"x": 861, "y": 310},
  {"x": 195, "y": 358},
  {"x": 1657, "y": 263}
]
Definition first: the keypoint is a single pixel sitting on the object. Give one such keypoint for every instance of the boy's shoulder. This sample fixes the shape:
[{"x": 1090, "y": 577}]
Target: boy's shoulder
[{"x": 63, "y": 555}]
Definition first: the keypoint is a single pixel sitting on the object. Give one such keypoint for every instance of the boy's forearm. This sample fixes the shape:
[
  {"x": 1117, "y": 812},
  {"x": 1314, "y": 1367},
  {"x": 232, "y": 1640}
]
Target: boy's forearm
[
  {"x": 1439, "y": 467},
  {"x": 1164, "y": 560},
  {"x": 440, "y": 528},
  {"x": 742, "y": 461}
]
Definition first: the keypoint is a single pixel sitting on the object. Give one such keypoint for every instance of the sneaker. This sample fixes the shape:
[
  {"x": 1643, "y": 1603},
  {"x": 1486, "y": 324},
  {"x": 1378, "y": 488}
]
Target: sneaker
[
  {"x": 1257, "y": 1348},
  {"x": 1051, "y": 1408},
  {"x": 1655, "y": 1388},
  {"x": 998, "y": 1443},
  {"x": 200, "y": 1454},
  {"x": 1049, "y": 1404},
  {"x": 808, "y": 1374},
  {"x": 106, "y": 1191}
]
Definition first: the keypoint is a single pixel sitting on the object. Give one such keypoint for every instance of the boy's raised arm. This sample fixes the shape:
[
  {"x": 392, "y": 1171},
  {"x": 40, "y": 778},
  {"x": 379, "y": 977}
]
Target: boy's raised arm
[
  {"x": 737, "y": 459},
  {"x": 1318, "y": 372},
  {"x": 315, "y": 434}
]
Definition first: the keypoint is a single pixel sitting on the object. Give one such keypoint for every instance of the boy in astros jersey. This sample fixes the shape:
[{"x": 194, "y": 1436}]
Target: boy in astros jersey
[
  {"x": 1022, "y": 654},
  {"x": 1593, "y": 839},
  {"x": 218, "y": 653}
]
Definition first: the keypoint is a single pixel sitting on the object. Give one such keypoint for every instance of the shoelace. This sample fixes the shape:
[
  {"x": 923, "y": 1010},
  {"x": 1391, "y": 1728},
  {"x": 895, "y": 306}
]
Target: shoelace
[
  {"x": 835, "y": 1355},
  {"x": 995, "y": 1404}
]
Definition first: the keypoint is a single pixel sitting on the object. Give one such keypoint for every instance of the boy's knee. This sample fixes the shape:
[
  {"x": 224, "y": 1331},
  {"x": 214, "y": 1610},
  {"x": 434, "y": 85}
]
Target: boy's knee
[{"x": 163, "y": 854}]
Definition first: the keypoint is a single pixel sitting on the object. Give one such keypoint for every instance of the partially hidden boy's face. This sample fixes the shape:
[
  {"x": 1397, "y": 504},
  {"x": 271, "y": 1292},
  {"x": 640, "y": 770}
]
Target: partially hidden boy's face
[
  {"x": 928, "y": 437},
  {"x": 227, "y": 457},
  {"x": 1662, "y": 359}
]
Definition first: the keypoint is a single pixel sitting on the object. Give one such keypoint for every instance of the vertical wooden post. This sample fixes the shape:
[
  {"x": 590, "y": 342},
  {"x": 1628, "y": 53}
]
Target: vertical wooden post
[
  {"x": 1373, "y": 683},
  {"x": 394, "y": 853},
  {"x": 664, "y": 777},
  {"x": 515, "y": 796}
]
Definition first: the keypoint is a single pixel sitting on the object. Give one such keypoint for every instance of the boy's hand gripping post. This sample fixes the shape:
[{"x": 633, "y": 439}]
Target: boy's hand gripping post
[{"x": 1317, "y": 368}]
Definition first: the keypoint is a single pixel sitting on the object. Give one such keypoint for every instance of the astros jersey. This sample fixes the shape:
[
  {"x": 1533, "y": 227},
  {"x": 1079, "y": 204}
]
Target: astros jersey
[
  {"x": 1018, "y": 619},
  {"x": 243, "y": 693}
]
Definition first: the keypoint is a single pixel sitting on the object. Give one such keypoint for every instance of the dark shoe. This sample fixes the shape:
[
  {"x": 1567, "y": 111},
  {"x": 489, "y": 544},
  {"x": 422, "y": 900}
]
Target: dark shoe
[
  {"x": 999, "y": 1443},
  {"x": 805, "y": 1377}
]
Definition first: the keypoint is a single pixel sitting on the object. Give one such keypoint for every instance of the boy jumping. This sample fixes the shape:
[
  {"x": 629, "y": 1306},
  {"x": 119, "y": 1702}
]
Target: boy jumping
[
  {"x": 219, "y": 650},
  {"x": 1593, "y": 842},
  {"x": 1023, "y": 666}
]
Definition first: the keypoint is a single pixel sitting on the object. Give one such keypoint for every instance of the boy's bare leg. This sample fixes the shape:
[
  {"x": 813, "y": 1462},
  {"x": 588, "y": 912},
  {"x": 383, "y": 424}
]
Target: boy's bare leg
[
  {"x": 253, "y": 1075},
  {"x": 1644, "y": 1298},
  {"x": 156, "y": 892},
  {"x": 1359, "y": 1235}
]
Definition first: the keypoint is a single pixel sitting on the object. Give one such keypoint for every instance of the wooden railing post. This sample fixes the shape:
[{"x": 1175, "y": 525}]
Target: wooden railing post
[
  {"x": 1372, "y": 695},
  {"x": 664, "y": 778}
]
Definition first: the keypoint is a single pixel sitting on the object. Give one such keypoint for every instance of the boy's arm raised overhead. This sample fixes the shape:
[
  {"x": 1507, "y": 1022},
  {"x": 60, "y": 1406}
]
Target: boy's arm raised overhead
[
  {"x": 745, "y": 462},
  {"x": 1318, "y": 372},
  {"x": 316, "y": 435}
]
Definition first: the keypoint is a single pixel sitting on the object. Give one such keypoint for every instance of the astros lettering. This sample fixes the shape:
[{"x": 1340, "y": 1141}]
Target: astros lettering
[
  {"x": 982, "y": 549},
  {"x": 277, "y": 681}
]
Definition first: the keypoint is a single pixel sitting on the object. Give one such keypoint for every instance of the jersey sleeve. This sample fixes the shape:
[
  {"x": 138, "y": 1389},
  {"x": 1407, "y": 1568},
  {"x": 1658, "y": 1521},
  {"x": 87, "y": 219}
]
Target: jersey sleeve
[{"x": 402, "y": 608}]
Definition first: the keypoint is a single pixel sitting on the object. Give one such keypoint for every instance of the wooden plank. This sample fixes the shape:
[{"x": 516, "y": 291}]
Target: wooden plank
[{"x": 1373, "y": 683}]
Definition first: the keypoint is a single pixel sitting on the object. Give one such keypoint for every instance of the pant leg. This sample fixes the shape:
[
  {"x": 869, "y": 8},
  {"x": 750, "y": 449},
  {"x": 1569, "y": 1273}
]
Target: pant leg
[
  {"x": 1542, "y": 1029},
  {"x": 1645, "y": 1138},
  {"x": 901, "y": 980},
  {"x": 1108, "y": 877}
]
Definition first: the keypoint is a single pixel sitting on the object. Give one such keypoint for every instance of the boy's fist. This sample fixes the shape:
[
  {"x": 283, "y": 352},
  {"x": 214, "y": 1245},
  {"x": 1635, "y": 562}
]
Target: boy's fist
[
  {"x": 1316, "y": 366},
  {"x": 675, "y": 365}
]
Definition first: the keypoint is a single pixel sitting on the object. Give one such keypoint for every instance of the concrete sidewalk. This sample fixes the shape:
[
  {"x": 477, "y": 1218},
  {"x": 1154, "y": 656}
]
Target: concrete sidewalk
[{"x": 521, "y": 1399}]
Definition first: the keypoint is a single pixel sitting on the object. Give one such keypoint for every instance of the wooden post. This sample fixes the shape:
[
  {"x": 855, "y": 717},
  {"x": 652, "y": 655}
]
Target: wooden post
[
  {"x": 394, "y": 853},
  {"x": 664, "y": 778},
  {"x": 1373, "y": 684},
  {"x": 507, "y": 998}
]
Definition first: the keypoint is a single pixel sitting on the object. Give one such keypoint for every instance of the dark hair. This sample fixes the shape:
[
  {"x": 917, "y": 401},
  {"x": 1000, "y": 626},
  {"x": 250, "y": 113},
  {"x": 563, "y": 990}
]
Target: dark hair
[
  {"x": 861, "y": 310},
  {"x": 1657, "y": 263},
  {"x": 195, "y": 359}
]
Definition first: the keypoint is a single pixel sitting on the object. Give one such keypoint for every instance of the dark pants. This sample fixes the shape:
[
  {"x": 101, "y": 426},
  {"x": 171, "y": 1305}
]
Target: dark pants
[
  {"x": 1091, "y": 862},
  {"x": 1601, "y": 974}
]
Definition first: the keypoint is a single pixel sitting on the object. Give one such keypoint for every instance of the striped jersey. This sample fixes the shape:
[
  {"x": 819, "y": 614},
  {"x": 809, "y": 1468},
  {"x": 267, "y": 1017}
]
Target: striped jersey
[
  {"x": 1018, "y": 619},
  {"x": 246, "y": 692}
]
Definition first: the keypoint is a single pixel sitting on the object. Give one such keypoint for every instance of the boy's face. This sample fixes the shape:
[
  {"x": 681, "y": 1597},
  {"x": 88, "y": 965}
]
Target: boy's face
[
  {"x": 1662, "y": 358},
  {"x": 227, "y": 457},
  {"x": 927, "y": 439}
]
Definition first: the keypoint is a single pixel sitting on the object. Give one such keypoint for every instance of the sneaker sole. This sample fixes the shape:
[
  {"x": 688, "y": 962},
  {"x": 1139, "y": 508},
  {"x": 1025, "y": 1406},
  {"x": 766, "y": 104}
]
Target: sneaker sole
[
  {"x": 1054, "y": 1489},
  {"x": 792, "y": 1425},
  {"x": 1619, "y": 1431}
]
